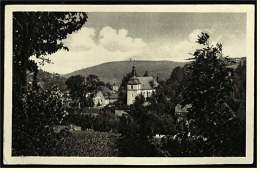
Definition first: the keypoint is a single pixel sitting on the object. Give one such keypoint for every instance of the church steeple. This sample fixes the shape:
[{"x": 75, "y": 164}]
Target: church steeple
[{"x": 133, "y": 71}]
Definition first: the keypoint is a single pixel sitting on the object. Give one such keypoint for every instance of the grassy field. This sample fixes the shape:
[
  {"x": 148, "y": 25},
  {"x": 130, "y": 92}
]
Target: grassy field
[{"x": 89, "y": 143}]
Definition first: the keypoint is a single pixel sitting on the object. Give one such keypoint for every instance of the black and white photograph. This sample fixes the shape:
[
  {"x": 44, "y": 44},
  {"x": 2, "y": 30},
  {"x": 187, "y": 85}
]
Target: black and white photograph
[{"x": 153, "y": 85}]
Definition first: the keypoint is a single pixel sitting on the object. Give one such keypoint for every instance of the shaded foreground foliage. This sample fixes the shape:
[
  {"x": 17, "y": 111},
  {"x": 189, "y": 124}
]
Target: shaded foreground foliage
[
  {"x": 39, "y": 110},
  {"x": 87, "y": 143},
  {"x": 208, "y": 87},
  {"x": 37, "y": 34}
]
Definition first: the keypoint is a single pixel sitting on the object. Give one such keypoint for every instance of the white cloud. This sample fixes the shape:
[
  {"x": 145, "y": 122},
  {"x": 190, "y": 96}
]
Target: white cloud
[
  {"x": 175, "y": 51},
  {"x": 88, "y": 47},
  {"x": 114, "y": 40},
  {"x": 82, "y": 40}
]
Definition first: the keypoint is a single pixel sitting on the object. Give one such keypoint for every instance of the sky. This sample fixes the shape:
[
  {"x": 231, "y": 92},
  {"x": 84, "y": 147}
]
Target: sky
[{"x": 153, "y": 36}]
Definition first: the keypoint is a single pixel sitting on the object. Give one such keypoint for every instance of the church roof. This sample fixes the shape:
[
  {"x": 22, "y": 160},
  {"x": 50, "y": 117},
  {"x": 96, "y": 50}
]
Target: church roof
[
  {"x": 147, "y": 83},
  {"x": 134, "y": 81}
]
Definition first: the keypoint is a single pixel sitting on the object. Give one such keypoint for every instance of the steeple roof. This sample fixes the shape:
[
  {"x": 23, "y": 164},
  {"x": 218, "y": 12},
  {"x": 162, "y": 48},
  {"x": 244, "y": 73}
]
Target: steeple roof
[
  {"x": 134, "y": 81},
  {"x": 147, "y": 83}
]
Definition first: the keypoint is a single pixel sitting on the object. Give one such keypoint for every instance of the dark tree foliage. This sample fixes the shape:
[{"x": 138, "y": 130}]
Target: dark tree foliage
[
  {"x": 208, "y": 86},
  {"x": 82, "y": 90},
  {"x": 48, "y": 80},
  {"x": 36, "y": 34},
  {"x": 146, "y": 74},
  {"x": 164, "y": 100},
  {"x": 174, "y": 81},
  {"x": 239, "y": 89},
  {"x": 93, "y": 83},
  {"x": 105, "y": 121},
  {"x": 41, "y": 109},
  {"x": 109, "y": 85},
  {"x": 167, "y": 93},
  {"x": 77, "y": 90},
  {"x": 136, "y": 130},
  {"x": 75, "y": 85}
]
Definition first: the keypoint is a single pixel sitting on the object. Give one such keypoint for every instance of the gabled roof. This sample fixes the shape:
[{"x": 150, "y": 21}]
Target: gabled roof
[
  {"x": 134, "y": 81},
  {"x": 147, "y": 83},
  {"x": 107, "y": 93}
]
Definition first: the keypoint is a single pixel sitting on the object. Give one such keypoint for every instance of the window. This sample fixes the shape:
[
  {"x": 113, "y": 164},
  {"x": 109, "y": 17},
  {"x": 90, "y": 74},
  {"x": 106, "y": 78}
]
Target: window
[{"x": 131, "y": 86}]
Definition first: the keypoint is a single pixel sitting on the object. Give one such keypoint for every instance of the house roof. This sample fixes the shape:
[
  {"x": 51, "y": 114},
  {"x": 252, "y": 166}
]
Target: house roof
[
  {"x": 134, "y": 81},
  {"x": 147, "y": 83},
  {"x": 107, "y": 93}
]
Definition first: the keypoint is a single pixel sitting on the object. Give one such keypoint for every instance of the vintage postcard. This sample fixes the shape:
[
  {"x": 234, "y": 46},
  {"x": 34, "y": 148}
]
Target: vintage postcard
[{"x": 128, "y": 85}]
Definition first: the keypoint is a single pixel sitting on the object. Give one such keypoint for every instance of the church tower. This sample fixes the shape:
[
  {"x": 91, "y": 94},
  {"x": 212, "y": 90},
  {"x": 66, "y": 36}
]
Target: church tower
[{"x": 133, "y": 87}]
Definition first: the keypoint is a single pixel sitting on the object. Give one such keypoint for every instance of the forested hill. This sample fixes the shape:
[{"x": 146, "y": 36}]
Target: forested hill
[{"x": 114, "y": 71}]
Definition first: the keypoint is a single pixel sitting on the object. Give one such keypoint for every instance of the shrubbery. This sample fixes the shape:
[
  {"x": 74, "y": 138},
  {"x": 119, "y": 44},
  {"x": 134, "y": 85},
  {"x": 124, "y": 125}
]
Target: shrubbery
[
  {"x": 33, "y": 118},
  {"x": 103, "y": 121},
  {"x": 87, "y": 143}
]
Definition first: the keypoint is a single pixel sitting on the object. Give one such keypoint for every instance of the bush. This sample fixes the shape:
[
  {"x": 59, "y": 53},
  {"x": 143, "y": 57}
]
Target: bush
[
  {"x": 33, "y": 116},
  {"x": 88, "y": 143}
]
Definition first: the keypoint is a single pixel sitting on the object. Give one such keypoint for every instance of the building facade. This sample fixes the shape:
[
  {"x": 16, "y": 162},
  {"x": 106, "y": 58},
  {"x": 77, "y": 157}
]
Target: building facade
[
  {"x": 104, "y": 97},
  {"x": 136, "y": 86}
]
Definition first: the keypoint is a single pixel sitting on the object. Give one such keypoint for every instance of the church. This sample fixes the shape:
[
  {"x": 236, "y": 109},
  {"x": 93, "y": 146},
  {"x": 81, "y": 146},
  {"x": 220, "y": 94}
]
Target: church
[{"x": 136, "y": 86}]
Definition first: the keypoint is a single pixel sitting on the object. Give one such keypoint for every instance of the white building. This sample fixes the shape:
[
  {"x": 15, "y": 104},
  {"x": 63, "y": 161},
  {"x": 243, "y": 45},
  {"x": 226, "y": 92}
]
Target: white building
[
  {"x": 104, "y": 97},
  {"x": 140, "y": 86}
]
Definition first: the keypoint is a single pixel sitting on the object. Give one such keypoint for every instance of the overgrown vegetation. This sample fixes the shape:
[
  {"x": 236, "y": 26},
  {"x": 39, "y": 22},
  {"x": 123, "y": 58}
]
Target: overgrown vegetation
[
  {"x": 87, "y": 143},
  {"x": 37, "y": 34}
]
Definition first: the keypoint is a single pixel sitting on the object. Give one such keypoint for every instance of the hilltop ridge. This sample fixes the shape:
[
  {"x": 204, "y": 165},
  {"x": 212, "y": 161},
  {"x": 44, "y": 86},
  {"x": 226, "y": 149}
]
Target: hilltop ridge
[{"x": 113, "y": 72}]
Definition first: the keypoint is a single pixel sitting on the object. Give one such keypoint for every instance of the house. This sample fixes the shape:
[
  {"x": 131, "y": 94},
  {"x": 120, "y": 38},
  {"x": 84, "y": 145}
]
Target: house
[
  {"x": 99, "y": 99},
  {"x": 115, "y": 87},
  {"x": 136, "y": 86},
  {"x": 104, "y": 97}
]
